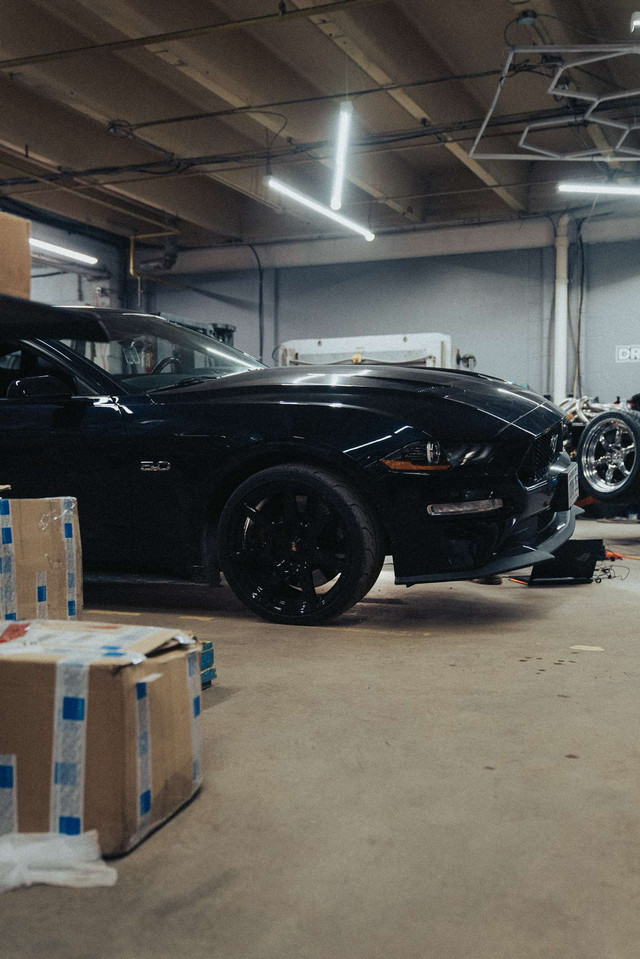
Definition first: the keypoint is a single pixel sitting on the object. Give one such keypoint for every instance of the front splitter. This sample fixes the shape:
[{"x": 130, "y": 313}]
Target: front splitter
[{"x": 518, "y": 557}]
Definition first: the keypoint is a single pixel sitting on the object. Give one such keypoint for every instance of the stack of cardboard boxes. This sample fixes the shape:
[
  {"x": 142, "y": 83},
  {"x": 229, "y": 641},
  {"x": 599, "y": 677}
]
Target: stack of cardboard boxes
[
  {"x": 99, "y": 729},
  {"x": 40, "y": 559},
  {"x": 99, "y": 723}
]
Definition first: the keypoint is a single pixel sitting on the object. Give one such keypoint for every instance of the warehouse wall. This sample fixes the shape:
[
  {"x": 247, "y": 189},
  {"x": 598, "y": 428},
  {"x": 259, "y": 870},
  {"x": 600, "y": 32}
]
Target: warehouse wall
[
  {"x": 497, "y": 306},
  {"x": 494, "y": 305},
  {"x": 474, "y": 298},
  {"x": 230, "y": 298},
  {"x": 49, "y": 285},
  {"x": 66, "y": 288},
  {"x": 611, "y": 319}
]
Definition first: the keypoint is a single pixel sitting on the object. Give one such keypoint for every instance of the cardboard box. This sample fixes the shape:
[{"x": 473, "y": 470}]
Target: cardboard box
[
  {"x": 207, "y": 669},
  {"x": 99, "y": 729},
  {"x": 15, "y": 256},
  {"x": 40, "y": 559}
]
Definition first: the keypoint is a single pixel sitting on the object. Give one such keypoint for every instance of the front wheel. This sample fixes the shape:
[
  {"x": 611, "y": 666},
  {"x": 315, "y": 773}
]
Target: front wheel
[
  {"x": 298, "y": 546},
  {"x": 609, "y": 456}
]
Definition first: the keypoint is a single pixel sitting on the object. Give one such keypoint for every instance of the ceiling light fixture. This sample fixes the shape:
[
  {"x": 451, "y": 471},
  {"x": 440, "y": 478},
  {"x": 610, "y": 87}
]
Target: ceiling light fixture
[
  {"x": 62, "y": 251},
  {"x": 635, "y": 21},
  {"x": 344, "y": 126},
  {"x": 280, "y": 187},
  {"x": 613, "y": 189}
]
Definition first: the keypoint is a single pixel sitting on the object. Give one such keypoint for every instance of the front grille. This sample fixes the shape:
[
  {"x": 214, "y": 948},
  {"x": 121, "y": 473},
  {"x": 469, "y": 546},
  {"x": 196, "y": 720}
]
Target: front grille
[{"x": 540, "y": 455}]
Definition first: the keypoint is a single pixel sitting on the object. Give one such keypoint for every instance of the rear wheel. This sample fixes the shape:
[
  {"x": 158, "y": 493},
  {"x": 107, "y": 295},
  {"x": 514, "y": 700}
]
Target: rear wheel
[
  {"x": 609, "y": 456},
  {"x": 298, "y": 546}
]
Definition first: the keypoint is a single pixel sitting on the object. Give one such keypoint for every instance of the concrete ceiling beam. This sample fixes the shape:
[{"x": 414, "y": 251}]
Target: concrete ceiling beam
[
  {"x": 61, "y": 140},
  {"x": 243, "y": 73},
  {"x": 340, "y": 30}
]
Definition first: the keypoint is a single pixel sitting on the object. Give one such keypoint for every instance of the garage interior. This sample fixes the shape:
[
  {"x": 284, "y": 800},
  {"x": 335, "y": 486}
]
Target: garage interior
[{"x": 445, "y": 771}]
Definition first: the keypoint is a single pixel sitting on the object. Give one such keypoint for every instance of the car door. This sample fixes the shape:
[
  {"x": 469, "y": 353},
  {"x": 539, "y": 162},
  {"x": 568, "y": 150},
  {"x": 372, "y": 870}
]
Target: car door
[
  {"x": 71, "y": 444},
  {"x": 178, "y": 455}
]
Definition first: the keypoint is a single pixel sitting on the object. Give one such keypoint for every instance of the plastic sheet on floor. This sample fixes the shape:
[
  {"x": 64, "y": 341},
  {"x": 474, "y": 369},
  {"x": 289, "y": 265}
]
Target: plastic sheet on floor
[{"x": 57, "y": 860}]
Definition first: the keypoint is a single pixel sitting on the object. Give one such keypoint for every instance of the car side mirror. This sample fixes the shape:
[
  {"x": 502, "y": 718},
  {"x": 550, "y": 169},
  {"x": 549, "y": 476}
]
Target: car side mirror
[{"x": 39, "y": 387}]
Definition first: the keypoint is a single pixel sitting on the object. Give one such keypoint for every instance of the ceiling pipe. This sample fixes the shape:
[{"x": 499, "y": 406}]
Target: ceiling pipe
[
  {"x": 486, "y": 238},
  {"x": 561, "y": 310},
  {"x": 319, "y": 98},
  {"x": 191, "y": 33},
  {"x": 297, "y": 151},
  {"x": 79, "y": 189},
  {"x": 260, "y": 301}
]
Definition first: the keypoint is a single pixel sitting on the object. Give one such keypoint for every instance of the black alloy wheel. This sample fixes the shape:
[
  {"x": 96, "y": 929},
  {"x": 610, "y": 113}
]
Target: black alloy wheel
[
  {"x": 298, "y": 546},
  {"x": 609, "y": 456}
]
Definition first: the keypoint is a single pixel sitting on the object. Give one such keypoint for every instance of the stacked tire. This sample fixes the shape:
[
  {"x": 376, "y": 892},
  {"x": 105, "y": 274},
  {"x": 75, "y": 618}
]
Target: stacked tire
[{"x": 608, "y": 457}]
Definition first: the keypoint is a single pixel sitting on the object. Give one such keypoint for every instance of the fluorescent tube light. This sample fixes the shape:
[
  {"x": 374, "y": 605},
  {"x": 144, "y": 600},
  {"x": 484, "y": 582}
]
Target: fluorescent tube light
[
  {"x": 344, "y": 125},
  {"x": 62, "y": 251},
  {"x": 281, "y": 187},
  {"x": 613, "y": 189}
]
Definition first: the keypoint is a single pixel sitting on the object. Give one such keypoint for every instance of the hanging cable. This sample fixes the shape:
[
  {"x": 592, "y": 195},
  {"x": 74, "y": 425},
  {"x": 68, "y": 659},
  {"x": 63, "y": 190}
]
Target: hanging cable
[
  {"x": 391, "y": 137},
  {"x": 567, "y": 23},
  {"x": 266, "y": 107},
  {"x": 529, "y": 21},
  {"x": 190, "y": 33}
]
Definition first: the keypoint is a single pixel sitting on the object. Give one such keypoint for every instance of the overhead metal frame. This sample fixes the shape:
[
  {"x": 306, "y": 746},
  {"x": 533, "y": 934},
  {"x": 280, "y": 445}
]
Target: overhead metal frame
[{"x": 587, "y": 54}]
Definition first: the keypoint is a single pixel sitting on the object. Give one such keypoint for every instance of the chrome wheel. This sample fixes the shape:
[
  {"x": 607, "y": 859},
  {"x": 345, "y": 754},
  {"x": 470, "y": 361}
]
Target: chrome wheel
[{"x": 609, "y": 455}]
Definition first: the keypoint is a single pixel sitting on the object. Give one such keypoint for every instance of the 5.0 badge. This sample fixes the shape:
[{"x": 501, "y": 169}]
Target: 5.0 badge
[{"x": 157, "y": 466}]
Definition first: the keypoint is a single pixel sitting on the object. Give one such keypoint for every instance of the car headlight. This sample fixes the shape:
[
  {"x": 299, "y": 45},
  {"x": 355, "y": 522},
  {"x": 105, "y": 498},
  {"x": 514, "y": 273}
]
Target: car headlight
[
  {"x": 417, "y": 457},
  {"x": 469, "y": 453},
  {"x": 429, "y": 456}
]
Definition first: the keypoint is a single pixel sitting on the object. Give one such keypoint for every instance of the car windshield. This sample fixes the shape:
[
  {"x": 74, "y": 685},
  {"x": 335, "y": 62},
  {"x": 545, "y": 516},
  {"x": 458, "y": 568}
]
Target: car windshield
[{"x": 146, "y": 353}]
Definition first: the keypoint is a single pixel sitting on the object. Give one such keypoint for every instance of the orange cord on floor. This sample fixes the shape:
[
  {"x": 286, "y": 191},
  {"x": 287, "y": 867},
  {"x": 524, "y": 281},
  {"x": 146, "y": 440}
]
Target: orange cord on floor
[{"x": 586, "y": 501}]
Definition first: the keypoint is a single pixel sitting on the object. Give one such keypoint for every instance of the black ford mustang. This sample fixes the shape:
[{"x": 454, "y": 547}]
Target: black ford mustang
[{"x": 188, "y": 457}]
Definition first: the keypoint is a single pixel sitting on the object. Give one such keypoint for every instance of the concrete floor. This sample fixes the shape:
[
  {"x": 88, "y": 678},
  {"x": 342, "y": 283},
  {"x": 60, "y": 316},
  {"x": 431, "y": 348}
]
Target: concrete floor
[{"x": 437, "y": 776}]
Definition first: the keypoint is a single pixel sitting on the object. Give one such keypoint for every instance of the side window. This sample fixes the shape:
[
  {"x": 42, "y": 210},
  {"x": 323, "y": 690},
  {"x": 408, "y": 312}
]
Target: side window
[
  {"x": 10, "y": 360},
  {"x": 9, "y": 366},
  {"x": 18, "y": 362}
]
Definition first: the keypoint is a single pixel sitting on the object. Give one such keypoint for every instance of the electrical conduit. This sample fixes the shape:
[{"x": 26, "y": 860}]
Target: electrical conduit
[{"x": 561, "y": 311}]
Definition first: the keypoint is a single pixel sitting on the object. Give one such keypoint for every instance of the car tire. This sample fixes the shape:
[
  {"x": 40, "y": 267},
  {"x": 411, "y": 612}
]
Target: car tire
[
  {"x": 609, "y": 456},
  {"x": 298, "y": 545}
]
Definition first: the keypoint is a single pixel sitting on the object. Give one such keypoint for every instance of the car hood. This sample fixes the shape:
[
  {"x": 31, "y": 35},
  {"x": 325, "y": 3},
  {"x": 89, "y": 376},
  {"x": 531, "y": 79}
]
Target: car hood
[{"x": 484, "y": 404}]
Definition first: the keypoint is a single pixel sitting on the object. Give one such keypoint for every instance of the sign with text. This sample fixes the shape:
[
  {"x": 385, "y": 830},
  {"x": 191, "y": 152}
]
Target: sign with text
[{"x": 627, "y": 354}]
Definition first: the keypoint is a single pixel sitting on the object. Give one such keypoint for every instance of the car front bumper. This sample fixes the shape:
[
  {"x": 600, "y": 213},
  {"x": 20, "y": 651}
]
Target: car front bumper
[
  {"x": 522, "y": 525},
  {"x": 514, "y": 556}
]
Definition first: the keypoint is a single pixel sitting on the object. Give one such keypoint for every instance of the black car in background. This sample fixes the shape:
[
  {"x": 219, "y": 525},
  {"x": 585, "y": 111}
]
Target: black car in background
[{"x": 188, "y": 457}]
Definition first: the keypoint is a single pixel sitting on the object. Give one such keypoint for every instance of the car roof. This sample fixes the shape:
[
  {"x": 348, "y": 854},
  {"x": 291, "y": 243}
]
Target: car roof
[
  {"x": 107, "y": 311},
  {"x": 26, "y": 319}
]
